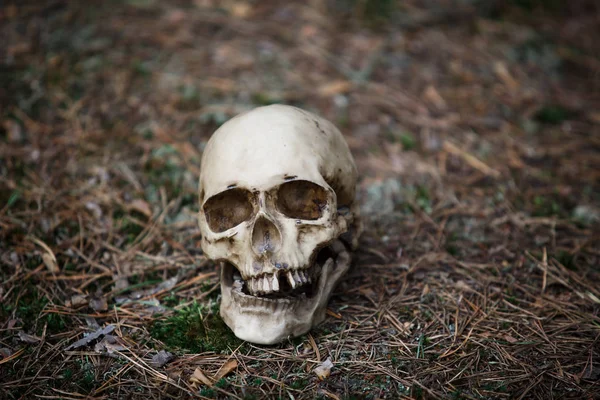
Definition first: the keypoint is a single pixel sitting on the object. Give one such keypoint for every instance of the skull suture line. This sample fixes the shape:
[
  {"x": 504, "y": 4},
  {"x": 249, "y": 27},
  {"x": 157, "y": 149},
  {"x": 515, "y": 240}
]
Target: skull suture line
[{"x": 277, "y": 188}]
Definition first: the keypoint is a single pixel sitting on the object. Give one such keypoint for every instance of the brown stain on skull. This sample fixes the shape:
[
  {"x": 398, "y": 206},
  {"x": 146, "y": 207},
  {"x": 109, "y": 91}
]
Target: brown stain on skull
[{"x": 319, "y": 127}]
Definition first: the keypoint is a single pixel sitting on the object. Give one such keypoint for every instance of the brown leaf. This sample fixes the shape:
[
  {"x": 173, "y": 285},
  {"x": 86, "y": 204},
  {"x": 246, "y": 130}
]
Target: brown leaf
[
  {"x": 48, "y": 257},
  {"x": 98, "y": 304},
  {"x": 14, "y": 133},
  {"x": 110, "y": 344},
  {"x": 226, "y": 369},
  {"x": 324, "y": 370},
  {"x": 77, "y": 300},
  {"x": 425, "y": 291},
  {"x": 505, "y": 76},
  {"x": 510, "y": 339},
  {"x": 141, "y": 206},
  {"x": 31, "y": 339},
  {"x": 333, "y": 88},
  {"x": 433, "y": 96},
  {"x": 50, "y": 262},
  {"x": 199, "y": 377}
]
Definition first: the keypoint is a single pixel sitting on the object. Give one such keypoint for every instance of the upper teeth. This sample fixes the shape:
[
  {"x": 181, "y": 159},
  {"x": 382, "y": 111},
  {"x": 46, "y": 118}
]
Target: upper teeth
[{"x": 269, "y": 283}]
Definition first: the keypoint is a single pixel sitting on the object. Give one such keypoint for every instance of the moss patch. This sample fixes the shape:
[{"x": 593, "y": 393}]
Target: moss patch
[{"x": 195, "y": 328}]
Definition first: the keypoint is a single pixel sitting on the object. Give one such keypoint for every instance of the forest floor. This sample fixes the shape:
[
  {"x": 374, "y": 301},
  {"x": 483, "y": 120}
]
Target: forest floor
[{"x": 475, "y": 127}]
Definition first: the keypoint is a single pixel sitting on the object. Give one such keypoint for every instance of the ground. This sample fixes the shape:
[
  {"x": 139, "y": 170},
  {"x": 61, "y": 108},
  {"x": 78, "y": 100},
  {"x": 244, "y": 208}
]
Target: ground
[{"x": 474, "y": 125}]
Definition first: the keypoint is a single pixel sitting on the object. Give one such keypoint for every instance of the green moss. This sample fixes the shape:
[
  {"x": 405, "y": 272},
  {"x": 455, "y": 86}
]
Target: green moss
[
  {"x": 30, "y": 310},
  {"x": 14, "y": 197},
  {"x": 257, "y": 382},
  {"x": 423, "y": 199},
  {"x": 545, "y": 207},
  {"x": 196, "y": 329},
  {"x": 408, "y": 141},
  {"x": 222, "y": 383},
  {"x": 208, "y": 392},
  {"x": 67, "y": 374},
  {"x": 299, "y": 384},
  {"x": 552, "y": 114},
  {"x": 417, "y": 392},
  {"x": 566, "y": 259},
  {"x": 453, "y": 250},
  {"x": 85, "y": 378}
]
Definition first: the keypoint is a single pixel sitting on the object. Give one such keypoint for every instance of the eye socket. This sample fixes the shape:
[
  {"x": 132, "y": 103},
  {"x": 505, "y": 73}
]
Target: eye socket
[
  {"x": 301, "y": 200},
  {"x": 227, "y": 209}
]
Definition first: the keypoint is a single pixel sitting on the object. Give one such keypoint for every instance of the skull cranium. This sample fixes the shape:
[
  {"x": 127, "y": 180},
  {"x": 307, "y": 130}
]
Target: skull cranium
[{"x": 277, "y": 188}]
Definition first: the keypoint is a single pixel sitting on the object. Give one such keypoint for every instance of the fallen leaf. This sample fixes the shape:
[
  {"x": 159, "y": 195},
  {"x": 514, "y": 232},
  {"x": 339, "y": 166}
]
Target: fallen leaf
[
  {"x": 167, "y": 285},
  {"x": 324, "y": 370},
  {"x": 121, "y": 283},
  {"x": 87, "y": 340},
  {"x": 333, "y": 88},
  {"x": 94, "y": 208},
  {"x": 433, "y": 96},
  {"x": 510, "y": 339},
  {"x": 98, "y": 304},
  {"x": 425, "y": 291},
  {"x": 199, "y": 377},
  {"x": 31, "y": 339},
  {"x": 109, "y": 344},
  {"x": 50, "y": 262},
  {"x": 48, "y": 257},
  {"x": 502, "y": 72},
  {"x": 14, "y": 133},
  {"x": 141, "y": 206},
  {"x": 240, "y": 9},
  {"x": 161, "y": 358},
  {"x": 5, "y": 352},
  {"x": 226, "y": 369},
  {"x": 594, "y": 117},
  {"x": 77, "y": 300}
]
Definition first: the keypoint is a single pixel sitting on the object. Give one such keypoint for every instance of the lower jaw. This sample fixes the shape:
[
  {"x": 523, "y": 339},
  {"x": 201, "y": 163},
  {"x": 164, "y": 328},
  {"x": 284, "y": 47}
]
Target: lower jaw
[
  {"x": 262, "y": 324},
  {"x": 264, "y": 320},
  {"x": 268, "y": 321}
]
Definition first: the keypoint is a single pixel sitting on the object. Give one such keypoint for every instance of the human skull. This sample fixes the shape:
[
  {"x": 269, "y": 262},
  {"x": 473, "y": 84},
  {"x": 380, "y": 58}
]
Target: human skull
[{"x": 277, "y": 210}]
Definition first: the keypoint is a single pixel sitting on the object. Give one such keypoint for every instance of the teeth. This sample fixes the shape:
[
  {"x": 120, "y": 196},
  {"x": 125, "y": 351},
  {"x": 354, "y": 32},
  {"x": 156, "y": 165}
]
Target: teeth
[
  {"x": 303, "y": 277},
  {"x": 238, "y": 284},
  {"x": 297, "y": 278},
  {"x": 291, "y": 279},
  {"x": 269, "y": 283},
  {"x": 256, "y": 285}
]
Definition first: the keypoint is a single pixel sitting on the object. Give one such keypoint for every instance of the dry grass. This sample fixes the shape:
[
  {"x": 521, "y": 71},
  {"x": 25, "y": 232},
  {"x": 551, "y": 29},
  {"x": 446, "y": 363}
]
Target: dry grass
[{"x": 476, "y": 134}]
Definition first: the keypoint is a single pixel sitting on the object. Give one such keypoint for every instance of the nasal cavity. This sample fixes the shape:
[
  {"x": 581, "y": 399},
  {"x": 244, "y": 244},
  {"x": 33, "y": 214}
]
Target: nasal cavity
[{"x": 265, "y": 237}]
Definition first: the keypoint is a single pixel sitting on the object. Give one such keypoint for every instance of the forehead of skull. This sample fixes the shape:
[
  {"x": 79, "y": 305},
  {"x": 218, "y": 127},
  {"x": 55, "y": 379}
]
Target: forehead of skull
[{"x": 263, "y": 147}]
